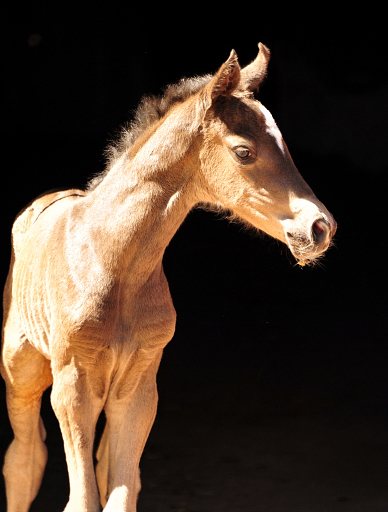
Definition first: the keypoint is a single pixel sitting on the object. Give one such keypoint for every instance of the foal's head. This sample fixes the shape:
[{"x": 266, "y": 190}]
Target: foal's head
[{"x": 246, "y": 166}]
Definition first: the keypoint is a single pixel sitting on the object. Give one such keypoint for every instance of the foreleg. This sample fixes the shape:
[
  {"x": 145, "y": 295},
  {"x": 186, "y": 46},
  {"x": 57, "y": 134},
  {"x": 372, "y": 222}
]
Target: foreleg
[
  {"x": 77, "y": 408},
  {"x": 130, "y": 411}
]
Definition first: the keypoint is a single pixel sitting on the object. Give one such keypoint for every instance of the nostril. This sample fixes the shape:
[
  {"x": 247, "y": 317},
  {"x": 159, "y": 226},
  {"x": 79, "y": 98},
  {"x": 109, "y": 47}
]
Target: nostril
[{"x": 320, "y": 228}]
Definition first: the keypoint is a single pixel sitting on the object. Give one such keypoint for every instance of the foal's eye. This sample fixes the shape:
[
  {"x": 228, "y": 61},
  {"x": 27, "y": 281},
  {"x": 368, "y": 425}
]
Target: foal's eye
[{"x": 243, "y": 153}]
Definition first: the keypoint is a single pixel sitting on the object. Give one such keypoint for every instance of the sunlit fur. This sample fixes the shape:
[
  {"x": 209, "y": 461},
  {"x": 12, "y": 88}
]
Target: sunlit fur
[
  {"x": 150, "y": 110},
  {"x": 87, "y": 306}
]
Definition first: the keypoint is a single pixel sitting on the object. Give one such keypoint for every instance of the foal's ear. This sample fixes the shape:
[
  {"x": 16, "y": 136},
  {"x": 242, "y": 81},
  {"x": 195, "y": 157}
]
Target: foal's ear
[
  {"x": 225, "y": 81},
  {"x": 253, "y": 74}
]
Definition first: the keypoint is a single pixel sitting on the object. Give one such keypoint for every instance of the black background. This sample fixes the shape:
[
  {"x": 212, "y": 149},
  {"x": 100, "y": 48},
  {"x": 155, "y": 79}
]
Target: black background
[{"x": 256, "y": 335}]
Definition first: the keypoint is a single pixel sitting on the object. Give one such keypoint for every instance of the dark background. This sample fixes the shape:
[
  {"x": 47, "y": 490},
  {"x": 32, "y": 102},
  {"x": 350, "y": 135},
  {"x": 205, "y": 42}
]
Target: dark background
[{"x": 261, "y": 345}]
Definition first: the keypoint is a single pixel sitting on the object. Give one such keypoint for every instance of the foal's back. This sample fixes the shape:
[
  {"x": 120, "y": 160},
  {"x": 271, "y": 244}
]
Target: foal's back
[{"x": 29, "y": 215}]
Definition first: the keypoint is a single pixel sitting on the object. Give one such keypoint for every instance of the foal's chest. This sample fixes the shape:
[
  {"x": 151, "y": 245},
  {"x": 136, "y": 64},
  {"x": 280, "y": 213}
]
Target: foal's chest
[{"x": 147, "y": 317}]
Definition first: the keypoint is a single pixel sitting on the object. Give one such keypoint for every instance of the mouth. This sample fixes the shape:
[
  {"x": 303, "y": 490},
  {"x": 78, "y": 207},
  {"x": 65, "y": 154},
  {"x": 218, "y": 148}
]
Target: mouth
[
  {"x": 309, "y": 246},
  {"x": 302, "y": 248}
]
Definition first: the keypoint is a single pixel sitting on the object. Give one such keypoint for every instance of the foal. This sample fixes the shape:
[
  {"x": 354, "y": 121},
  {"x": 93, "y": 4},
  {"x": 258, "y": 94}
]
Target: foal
[{"x": 86, "y": 304}]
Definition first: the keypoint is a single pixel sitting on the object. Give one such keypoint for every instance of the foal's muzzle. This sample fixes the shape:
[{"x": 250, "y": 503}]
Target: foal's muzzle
[{"x": 309, "y": 243}]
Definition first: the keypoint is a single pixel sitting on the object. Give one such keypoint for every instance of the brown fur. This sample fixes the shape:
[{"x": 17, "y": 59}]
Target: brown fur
[
  {"x": 86, "y": 304},
  {"x": 150, "y": 110}
]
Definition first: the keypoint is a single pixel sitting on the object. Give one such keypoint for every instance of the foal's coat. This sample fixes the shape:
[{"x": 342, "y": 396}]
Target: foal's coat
[{"x": 87, "y": 306}]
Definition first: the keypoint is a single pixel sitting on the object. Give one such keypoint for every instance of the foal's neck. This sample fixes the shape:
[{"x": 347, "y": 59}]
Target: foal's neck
[{"x": 144, "y": 198}]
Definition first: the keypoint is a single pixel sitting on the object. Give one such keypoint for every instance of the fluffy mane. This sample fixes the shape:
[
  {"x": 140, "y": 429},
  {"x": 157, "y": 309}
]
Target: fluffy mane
[{"x": 150, "y": 110}]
